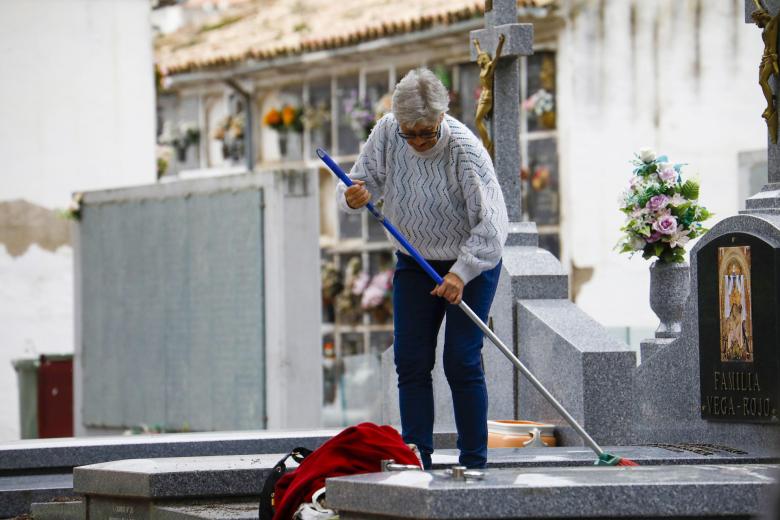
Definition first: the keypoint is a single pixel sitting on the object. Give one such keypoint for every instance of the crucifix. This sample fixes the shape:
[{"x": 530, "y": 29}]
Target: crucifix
[
  {"x": 515, "y": 39},
  {"x": 766, "y": 15}
]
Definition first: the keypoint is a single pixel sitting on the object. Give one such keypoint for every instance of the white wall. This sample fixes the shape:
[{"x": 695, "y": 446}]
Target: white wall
[
  {"x": 682, "y": 80},
  {"x": 76, "y": 113}
]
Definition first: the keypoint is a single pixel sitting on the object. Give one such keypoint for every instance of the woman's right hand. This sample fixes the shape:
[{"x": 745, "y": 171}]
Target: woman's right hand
[{"x": 357, "y": 195}]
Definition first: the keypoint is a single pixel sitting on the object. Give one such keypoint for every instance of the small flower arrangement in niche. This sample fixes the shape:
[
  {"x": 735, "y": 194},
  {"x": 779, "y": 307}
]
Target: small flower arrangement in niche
[
  {"x": 292, "y": 118},
  {"x": 180, "y": 137},
  {"x": 360, "y": 115},
  {"x": 289, "y": 118},
  {"x": 230, "y": 130},
  {"x": 541, "y": 103},
  {"x": 73, "y": 211},
  {"x": 662, "y": 209},
  {"x": 377, "y": 296},
  {"x": 164, "y": 154},
  {"x": 316, "y": 116},
  {"x": 347, "y": 302},
  {"x": 273, "y": 119},
  {"x": 230, "y": 127}
]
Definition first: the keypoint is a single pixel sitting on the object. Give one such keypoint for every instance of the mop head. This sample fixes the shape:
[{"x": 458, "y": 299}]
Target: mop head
[{"x": 607, "y": 459}]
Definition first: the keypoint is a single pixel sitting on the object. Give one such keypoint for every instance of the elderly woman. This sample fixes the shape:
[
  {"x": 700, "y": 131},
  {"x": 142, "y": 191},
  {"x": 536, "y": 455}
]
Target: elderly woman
[{"x": 441, "y": 192}]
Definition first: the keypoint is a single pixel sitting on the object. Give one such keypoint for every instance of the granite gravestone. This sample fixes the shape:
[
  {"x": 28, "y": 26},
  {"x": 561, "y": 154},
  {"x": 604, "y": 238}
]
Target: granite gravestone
[
  {"x": 738, "y": 291},
  {"x": 717, "y": 381}
]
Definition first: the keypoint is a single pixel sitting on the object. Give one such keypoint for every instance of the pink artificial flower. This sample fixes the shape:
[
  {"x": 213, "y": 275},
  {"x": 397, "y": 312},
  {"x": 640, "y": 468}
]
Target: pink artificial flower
[
  {"x": 383, "y": 280},
  {"x": 372, "y": 297},
  {"x": 360, "y": 283},
  {"x": 657, "y": 202},
  {"x": 666, "y": 225},
  {"x": 668, "y": 174}
]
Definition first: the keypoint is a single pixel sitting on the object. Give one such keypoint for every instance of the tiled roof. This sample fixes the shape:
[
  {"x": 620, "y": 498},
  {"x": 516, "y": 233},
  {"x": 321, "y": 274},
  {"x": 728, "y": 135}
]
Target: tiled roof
[{"x": 264, "y": 29}]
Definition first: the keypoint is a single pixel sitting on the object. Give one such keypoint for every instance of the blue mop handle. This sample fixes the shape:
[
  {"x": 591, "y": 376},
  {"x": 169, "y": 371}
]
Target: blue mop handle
[
  {"x": 335, "y": 168},
  {"x": 470, "y": 313}
]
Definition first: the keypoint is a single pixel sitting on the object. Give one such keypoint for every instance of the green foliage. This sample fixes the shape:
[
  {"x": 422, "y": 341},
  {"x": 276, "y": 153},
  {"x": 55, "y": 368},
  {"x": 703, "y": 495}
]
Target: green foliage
[{"x": 690, "y": 190}]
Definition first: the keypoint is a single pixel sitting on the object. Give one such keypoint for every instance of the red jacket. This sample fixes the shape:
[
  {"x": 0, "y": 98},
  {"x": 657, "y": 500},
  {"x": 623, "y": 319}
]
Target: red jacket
[{"x": 358, "y": 449}]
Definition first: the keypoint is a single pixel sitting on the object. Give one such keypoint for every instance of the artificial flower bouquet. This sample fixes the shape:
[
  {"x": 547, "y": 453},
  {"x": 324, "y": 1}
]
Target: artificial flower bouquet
[
  {"x": 662, "y": 209},
  {"x": 360, "y": 115}
]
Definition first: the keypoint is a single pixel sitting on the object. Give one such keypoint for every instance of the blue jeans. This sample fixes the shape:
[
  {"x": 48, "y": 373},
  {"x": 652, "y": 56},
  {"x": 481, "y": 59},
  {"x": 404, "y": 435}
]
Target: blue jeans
[{"x": 418, "y": 317}]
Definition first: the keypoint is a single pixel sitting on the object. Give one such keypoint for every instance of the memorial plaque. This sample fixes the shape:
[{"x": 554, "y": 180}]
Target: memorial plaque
[{"x": 738, "y": 329}]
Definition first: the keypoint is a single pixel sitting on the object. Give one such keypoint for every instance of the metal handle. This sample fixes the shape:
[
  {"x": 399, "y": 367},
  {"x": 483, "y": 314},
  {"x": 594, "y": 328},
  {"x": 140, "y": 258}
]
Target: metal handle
[
  {"x": 390, "y": 465},
  {"x": 527, "y": 373}
]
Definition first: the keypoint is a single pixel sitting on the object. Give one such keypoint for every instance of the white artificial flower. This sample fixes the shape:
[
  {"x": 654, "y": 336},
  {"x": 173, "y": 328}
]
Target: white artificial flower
[
  {"x": 646, "y": 155},
  {"x": 677, "y": 200},
  {"x": 679, "y": 238}
]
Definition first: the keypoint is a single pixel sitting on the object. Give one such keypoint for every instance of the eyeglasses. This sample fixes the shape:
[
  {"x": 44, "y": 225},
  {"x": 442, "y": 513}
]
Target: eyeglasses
[{"x": 421, "y": 135}]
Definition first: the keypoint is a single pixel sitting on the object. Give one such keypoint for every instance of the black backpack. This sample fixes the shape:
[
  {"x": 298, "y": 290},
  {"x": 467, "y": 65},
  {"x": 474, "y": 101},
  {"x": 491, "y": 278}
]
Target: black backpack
[{"x": 267, "y": 493}]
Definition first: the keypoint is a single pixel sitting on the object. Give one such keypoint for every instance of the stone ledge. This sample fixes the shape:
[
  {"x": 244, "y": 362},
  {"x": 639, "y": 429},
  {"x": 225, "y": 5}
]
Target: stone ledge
[
  {"x": 615, "y": 492},
  {"x": 80, "y": 451},
  {"x": 238, "y": 475},
  {"x": 153, "y": 479},
  {"x": 535, "y": 273}
]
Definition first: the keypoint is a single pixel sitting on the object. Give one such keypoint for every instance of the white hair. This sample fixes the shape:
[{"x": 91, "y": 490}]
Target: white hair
[{"x": 419, "y": 97}]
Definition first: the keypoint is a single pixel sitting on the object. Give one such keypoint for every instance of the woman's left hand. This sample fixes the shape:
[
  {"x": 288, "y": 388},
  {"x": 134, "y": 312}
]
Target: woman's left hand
[{"x": 451, "y": 288}]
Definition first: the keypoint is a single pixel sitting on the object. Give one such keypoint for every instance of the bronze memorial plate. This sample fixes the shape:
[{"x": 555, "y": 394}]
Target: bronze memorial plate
[{"x": 739, "y": 355}]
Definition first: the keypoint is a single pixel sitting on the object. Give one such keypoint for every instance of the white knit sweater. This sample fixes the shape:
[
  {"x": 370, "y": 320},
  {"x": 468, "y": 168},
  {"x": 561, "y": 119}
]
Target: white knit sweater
[{"x": 446, "y": 201}]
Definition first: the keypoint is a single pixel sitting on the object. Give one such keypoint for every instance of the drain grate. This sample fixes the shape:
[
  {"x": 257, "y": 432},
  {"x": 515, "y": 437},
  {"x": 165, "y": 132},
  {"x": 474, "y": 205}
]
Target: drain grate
[{"x": 699, "y": 449}]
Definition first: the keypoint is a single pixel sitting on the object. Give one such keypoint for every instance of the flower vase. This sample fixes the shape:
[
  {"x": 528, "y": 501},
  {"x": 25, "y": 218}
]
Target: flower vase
[
  {"x": 283, "y": 144},
  {"x": 669, "y": 288},
  {"x": 547, "y": 119},
  {"x": 181, "y": 153}
]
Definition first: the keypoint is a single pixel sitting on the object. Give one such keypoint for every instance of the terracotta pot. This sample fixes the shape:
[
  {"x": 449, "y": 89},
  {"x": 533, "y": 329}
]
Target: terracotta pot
[{"x": 514, "y": 434}]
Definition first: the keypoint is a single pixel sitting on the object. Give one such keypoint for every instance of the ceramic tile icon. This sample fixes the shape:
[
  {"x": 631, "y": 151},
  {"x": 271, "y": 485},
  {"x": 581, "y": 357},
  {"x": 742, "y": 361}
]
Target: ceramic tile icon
[{"x": 736, "y": 323}]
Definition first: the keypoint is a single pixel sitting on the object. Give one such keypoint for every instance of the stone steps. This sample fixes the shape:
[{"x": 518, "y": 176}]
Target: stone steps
[
  {"x": 229, "y": 485},
  {"x": 28, "y": 467},
  {"x": 17, "y": 492}
]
